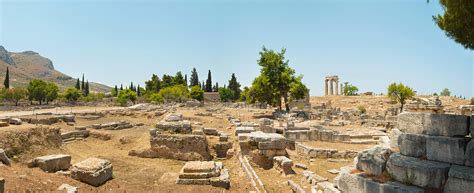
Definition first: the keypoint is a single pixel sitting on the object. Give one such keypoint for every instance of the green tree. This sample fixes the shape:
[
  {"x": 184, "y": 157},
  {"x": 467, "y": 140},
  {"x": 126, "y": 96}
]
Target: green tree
[
  {"x": 153, "y": 85},
  {"x": 179, "y": 79},
  {"x": 244, "y": 95},
  {"x": 194, "y": 81},
  {"x": 226, "y": 94},
  {"x": 36, "y": 91},
  {"x": 126, "y": 95},
  {"x": 275, "y": 80},
  {"x": 139, "y": 91},
  {"x": 167, "y": 81},
  {"x": 203, "y": 86},
  {"x": 445, "y": 92},
  {"x": 235, "y": 87},
  {"x": 114, "y": 91},
  {"x": 72, "y": 94},
  {"x": 83, "y": 84},
  {"x": 155, "y": 98},
  {"x": 400, "y": 93},
  {"x": 208, "y": 82},
  {"x": 78, "y": 84},
  {"x": 297, "y": 89},
  {"x": 197, "y": 93},
  {"x": 15, "y": 95},
  {"x": 458, "y": 21},
  {"x": 52, "y": 91},
  {"x": 177, "y": 93},
  {"x": 186, "y": 79},
  {"x": 350, "y": 90},
  {"x": 6, "y": 82},
  {"x": 215, "y": 88},
  {"x": 86, "y": 89}
]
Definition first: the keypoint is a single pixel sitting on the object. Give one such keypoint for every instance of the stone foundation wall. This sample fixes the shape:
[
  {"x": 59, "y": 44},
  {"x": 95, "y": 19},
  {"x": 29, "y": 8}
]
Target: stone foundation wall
[{"x": 310, "y": 152}]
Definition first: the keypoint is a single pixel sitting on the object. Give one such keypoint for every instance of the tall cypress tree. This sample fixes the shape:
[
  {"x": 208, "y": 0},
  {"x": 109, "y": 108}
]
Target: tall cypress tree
[
  {"x": 78, "y": 84},
  {"x": 131, "y": 86},
  {"x": 121, "y": 87},
  {"x": 203, "y": 86},
  {"x": 194, "y": 81},
  {"x": 116, "y": 90},
  {"x": 83, "y": 83},
  {"x": 86, "y": 88},
  {"x": 6, "y": 83},
  {"x": 139, "y": 93},
  {"x": 216, "y": 88},
  {"x": 209, "y": 82},
  {"x": 186, "y": 79},
  {"x": 234, "y": 86}
]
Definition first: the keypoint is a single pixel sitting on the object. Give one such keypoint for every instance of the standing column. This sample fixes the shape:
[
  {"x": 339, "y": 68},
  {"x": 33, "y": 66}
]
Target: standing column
[
  {"x": 337, "y": 87},
  {"x": 342, "y": 90},
  {"x": 325, "y": 87},
  {"x": 331, "y": 87}
]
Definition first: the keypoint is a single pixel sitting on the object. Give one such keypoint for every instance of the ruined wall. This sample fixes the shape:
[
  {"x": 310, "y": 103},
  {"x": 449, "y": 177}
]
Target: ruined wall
[{"x": 18, "y": 141}]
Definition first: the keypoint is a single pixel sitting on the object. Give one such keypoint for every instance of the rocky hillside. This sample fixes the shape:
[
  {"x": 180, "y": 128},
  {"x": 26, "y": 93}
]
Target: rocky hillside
[{"x": 29, "y": 65}]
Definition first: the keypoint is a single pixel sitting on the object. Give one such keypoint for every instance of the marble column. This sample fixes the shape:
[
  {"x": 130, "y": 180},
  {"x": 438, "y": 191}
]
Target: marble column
[
  {"x": 337, "y": 87},
  {"x": 342, "y": 90},
  {"x": 331, "y": 86},
  {"x": 326, "y": 87}
]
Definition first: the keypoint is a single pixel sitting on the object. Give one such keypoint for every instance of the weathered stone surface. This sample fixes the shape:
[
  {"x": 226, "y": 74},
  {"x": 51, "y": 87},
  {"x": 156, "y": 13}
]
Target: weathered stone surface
[
  {"x": 15, "y": 121},
  {"x": 179, "y": 146},
  {"x": 327, "y": 187},
  {"x": 93, "y": 171},
  {"x": 4, "y": 158},
  {"x": 204, "y": 173},
  {"x": 68, "y": 188},
  {"x": 394, "y": 134},
  {"x": 470, "y": 153},
  {"x": 446, "y": 149},
  {"x": 284, "y": 164},
  {"x": 461, "y": 179},
  {"x": 2, "y": 185},
  {"x": 223, "y": 137},
  {"x": 210, "y": 131},
  {"x": 373, "y": 161},
  {"x": 422, "y": 173},
  {"x": 240, "y": 130},
  {"x": 295, "y": 187},
  {"x": 413, "y": 145},
  {"x": 223, "y": 181},
  {"x": 433, "y": 124},
  {"x": 175, "y": 126},
  {"x": 222, "y": 148},
  {"x": 471, "y": 130},
  {"x": 301, "y": 166},
  {"x": 174, "y": 117},
  {"x": 52, "y": 163}
]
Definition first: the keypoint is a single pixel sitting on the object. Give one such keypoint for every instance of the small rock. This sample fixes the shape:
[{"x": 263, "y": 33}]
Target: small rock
[
  {"x": 333, "y": 171},
  {"x": 68, "y": 188},
  {"x": 302, "y": 166}
]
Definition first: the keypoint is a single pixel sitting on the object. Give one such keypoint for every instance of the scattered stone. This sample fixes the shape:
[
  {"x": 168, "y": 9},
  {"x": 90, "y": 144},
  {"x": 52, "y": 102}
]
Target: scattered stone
[
  {"x": 174, "y": 117},
  {"x": 394, "y": 134},
  {"x": 51, "y": 163},
  {"x": 100, "y": 135},
  {"x": 223, "y": 137},
  {"x": 4, "y": 158},
  {"x": 204, "y": 173},
  {"x": 327, "y": 187},
  {"x": 301, "y": 166},
  {"x": 4, "y": 124},
  {"x": 240, "y": 130},
  {"x": 295, "y": 187},
  {"x": 68, "y": 188},
  {"x": 80, "y": 128},
  {"x": 93, "y": 171},
  {"x": 470, "y": 153},
  {"x": 15, "y": 121},
  {"x": 284, "y": 164},
  {"x": 210, "y": 131},
  {"x": 333, "y": 171},
  {"x": 461, "y": 179}
]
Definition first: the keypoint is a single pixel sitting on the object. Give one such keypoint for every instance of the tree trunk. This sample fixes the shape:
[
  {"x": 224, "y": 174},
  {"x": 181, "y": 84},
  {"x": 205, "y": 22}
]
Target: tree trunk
[
  {"x": 401, "y": 107},
  {"x": 285, "y": 100}
]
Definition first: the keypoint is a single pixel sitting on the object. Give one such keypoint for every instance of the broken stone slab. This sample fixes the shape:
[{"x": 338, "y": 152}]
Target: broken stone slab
[
  {"x": 284, "y": 164},
  {"x": 80, "y": 128},
  {"x": 4, "y": 124},
  {"x": 394, "y": 134},
  {"x": 373, "y": 161},
  {"x": 461, "y": 179},
  {"x": 174, "y": 117},
  {"x": 470, "y": 153},
  {"x": 175, "y": 127},
  {"x": 301, "y": 166},
  {"x": 446, "y": 149},
  {"x": 210, "y": 131},
  {"x": 327, "y": 187},
  {"x": 422, "y": 173},
  {"x": 68, "y": 188},
  {"x": 240, "y": 130},
  {"x": 93, "y": 171},
  {"x": 433, "y": 124},
  {"x": 223, "y": 137},
  {"x": 2, "y": 185},
  {"x": 413, "y": 145},
  {"x": 223, "y": 181},
  {"x": 15, "y": 121},
  {"x": 4, "y": 158},
  {"x": 52, "y": 163},
  {"x": 295, "y": 187}
]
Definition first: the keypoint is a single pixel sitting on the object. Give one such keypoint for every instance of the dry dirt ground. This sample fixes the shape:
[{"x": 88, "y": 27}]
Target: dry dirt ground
[{"x": 134, "y": 174}]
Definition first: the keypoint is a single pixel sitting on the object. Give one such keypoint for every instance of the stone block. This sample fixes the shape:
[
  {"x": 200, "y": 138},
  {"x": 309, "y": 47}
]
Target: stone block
[
  {"x": 240, "y": 130},
  {"x": 326, "y": 135},
  {"x": 433, "y": 124},
  {"x": 4, "y": 158},
  {"x": 295, "y": 187},
  {"x": 373, "y": 161},
  {"x": 341, "y": 137},
  {"x": 223, "y": 137},
  {"x": 174, "y": 117},
  {"x": 2, "y": 185},
  {"x": 15, "y": 121},
  {"x": 222, "y": 181},
  {"x": 284, "y": 164},
  {"x": 52, "y": 163},
  {"x": 394, "y": 134},
  {"x": 470, "y": 153},
  {"x": 93, "y": 171},
  {"x": 446, "y": 149},
  {"x": 422, "y": 173},
  {"x": 210, "y": 131},
  {"x": 471, "y": 125},
  {"x": 413, "y": 145},
  {"x": 327, "y": 187},
  {"x": 272, "y": 145},
  {"x": 461, "y": 179}
]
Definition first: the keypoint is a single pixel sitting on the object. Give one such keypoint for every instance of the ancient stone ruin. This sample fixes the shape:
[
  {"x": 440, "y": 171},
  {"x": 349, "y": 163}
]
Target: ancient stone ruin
[{"x": 204, "y": 173}]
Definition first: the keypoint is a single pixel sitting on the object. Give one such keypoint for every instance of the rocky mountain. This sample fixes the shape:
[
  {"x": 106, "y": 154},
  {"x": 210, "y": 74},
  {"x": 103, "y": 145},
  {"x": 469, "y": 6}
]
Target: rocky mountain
[{"x": 29, "y": 65}]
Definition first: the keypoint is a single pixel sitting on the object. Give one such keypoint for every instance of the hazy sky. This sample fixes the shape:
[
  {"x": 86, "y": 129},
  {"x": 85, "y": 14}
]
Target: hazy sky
[{"x": 369, "y": 43}]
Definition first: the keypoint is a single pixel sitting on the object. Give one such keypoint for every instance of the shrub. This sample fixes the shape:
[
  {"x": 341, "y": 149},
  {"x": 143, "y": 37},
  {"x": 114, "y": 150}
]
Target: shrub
[
  {"x": 72, "y": 94},
  {"x": 93, "y": 97},
  {"x": 226, "y": 94},
  {"x": 362, "y": 109},
  {"x": 126, "y": 95},
  {"x": 197, "y": 93},
  {"x": 177, "y": 93},
  {"x": 155, "y": 98}
]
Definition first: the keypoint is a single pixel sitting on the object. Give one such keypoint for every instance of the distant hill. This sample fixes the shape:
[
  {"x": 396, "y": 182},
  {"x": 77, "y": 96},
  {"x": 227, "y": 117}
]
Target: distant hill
[{"x": 29, "y": 65}]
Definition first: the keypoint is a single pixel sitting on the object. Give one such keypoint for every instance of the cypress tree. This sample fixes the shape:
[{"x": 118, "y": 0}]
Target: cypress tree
[
  {"x": 209, "y": 82},
  {"x": 116, "y": 90},
  {"x": 131, "y": 86},
  {"x": 234, "y": 86},
  {"x": 6, "y": 83},
  {"x": 83, "y": 83},
  {"x": 203, "y": 86},
  {"x": 194, "y": 81},
  {"x": 216, "y": 87},
  {"x": 78, "y": 84},
  {"x": 186, "y": 80},
  {"x": 86, "y": 89},
  {"x": 121, "y": 87},
  {"x": 138, "y": 91}
]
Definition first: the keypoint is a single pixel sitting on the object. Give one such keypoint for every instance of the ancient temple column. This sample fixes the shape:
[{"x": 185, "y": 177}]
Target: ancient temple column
[
  {"x": 342, "y": 90},
  {"x": 337, "y": 87},
  {"x": 331, "y": 86},
  {"x": 325, "y": 87}
]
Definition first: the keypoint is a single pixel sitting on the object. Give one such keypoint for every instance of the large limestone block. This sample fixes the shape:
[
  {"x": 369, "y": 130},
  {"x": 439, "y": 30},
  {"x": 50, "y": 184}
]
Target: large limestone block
[
  {"x": 52, "y": 163},
  {"x": 422, "y": 173},
  {"x": 2, "y": 185},
  {"x": 4, "y": 158},
  {"x": 174, "y": 117},
  {"x": 180, "y": 146},
  {"x": 93, "y": 171},
  {"x": 373, "y": 161},
  {"x": 470, "y": 154},
  {"x": 446, "y": 149},
  {"x": 413, "y": 145},
  {"x": 461, "y": 179},
  {"x": 240, "y": 130},
  {"x": 433, "y": 124}
]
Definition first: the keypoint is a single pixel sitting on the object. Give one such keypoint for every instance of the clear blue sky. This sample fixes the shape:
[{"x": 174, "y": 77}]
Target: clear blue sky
[{"x": 369, "y": 43}]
